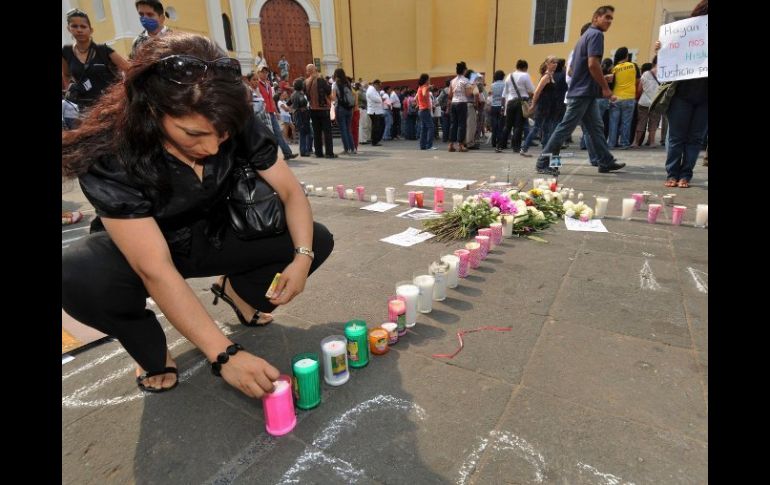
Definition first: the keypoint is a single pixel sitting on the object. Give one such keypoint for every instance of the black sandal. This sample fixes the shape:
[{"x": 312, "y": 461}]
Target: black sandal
[
  {"x": 167, "y": 370},
  {"x": 219, "y": 292}
]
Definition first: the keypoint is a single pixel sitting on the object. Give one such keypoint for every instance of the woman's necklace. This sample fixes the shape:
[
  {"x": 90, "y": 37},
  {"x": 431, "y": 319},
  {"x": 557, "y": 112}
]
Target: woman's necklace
[{"x": 83, "y": 51}]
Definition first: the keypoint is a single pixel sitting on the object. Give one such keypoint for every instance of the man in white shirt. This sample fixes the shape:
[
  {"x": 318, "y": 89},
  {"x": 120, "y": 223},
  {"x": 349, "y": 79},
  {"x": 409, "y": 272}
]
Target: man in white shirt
[
  {"x": 375, "y": 111},
  {"x": 259, "y": 61},
  {"x": 517, "y": 90},
  {"x": 395, "y": 103}
]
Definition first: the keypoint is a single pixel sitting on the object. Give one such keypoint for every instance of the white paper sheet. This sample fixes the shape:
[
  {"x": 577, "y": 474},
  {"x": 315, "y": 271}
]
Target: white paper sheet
[
  {"x": 418, "y": 214},
  {"x": 379, "y": 207},
  {"x": 441, "y": 182},
  {"x": 410, "y": 237},
  {"x": 594, "y": 225}
]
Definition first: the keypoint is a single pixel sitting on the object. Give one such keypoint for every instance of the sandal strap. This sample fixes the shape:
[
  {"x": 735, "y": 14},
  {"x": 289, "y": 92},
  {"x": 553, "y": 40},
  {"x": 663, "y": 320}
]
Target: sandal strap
[{"x": 167, "y": 370}]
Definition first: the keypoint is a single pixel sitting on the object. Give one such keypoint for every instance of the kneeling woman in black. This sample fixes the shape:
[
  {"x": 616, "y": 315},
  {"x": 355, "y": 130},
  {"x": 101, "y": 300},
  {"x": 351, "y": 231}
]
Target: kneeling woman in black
[{"x": 155, "y": 158}]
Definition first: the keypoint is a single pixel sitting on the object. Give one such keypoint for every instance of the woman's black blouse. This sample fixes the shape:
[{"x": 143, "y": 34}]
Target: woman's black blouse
[
  {"x": 115, "y": 194},
  {"x": 94, "y": 76}
]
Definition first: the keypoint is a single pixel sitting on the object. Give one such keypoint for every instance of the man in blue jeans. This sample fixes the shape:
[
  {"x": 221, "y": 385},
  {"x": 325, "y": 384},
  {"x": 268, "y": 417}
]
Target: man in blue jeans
[{"x": 587, "y": 84}]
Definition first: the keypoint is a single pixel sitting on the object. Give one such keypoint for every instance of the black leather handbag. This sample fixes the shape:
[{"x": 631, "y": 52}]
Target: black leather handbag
[{"x": 255, "y": 209}]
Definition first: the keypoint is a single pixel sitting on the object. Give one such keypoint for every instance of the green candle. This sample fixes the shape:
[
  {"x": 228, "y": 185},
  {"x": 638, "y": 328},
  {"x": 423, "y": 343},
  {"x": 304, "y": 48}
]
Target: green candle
[{"x": 358, "y": 348}]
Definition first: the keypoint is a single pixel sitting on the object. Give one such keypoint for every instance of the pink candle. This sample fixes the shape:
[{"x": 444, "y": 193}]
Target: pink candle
[
  {"x": 475, "y": 254},
  {"x": 438, "y": 199},
  {"x": 484, "y": 243},
  {"x": 497, "y": 232},
  {"x": 462, "y": 268},
  {"x": 341, "y": 191},
  {"x": 360, "y": 192},
  {"x": 638, "y": 199},
  {"x": 677, "y": 214},
  {"x": 412, "y": 196},
  {"x": 487, "y": 231},
  {"x": 653, "y": 210}
]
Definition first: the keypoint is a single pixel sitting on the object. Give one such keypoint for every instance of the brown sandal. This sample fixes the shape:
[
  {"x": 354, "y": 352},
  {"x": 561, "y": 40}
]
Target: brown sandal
[
  {"x": 683, "y": 184},
  {"x": 670, "y": 183}
]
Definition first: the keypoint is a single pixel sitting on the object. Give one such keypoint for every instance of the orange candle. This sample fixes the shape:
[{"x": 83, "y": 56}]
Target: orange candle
[{"x": 378, "y": 341}]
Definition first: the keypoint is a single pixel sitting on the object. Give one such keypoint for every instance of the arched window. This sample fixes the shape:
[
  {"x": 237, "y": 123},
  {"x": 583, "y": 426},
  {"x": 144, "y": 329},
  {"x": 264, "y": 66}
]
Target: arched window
[
  {"x": 99, "y": 9},
  {"x": 228, "y": 32}
]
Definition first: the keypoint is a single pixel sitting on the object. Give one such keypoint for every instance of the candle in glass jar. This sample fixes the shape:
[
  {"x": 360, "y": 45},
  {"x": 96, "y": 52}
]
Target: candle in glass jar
[
  {"x": 497, "y": 232},
  {"x": 412, "y": 195},
  {"x": 319, "y": 191},
  {"x": 409, "y": 293},
  {"x": 475, "y": 254},
  {"x": 397, "y": 313},
  {"x": 349, "y": 194},
  {"x": 390, "y": 195},
  {"x": 438, "y": 199},
  {"x": 373, "y": 198},
  {"x": 653, "y": 210},
  {"x": 628, "y": 208},
  {"x": 507, "y": 225},
  {"x": 330, "y": 191},
  {"x": 487, "y": 231},
  {"x": 419, "y": 198},
  {"x": 454, "y": 266},
  {"x": 392, "y": 329},
  {"x": 425, "y": 299},
  {"x": 358, "y": 349},
  {"x": 360, "y": 192},
  {"x": 677, "y": 214},
  {"x": 439, "y": 270},
  {"x": 483, "y": 246},
  {"x": 457, "y": 201},
  {"x": 341, "y": 191},
  {"x": 462, "y": 266},
  {"x": 310, "y": 189},
  {"x": 335, "y": 359},
  {"x": 378, "y": 341},
  {"x": 638, "y": 200},
  {"x": 601, "y": 207},
  {"x": 701, "y": 215}
]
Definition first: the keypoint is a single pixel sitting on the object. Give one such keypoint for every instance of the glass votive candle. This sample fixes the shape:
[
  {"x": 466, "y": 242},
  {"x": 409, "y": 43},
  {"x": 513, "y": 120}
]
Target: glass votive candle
[
  {"x": 412, "y": 195},
  {"x": 453, "y": 273},
  {"x": 497, "y": 232},
  {"x": 360, "y": 193},
  {"x": 310, "y": 189},
  {"x": 638, "y": 199},
  {"x": 390, "y": 195},
  {"x": 438, "y": 199},
  {"x": 484, "y": 246},
  {"x": 408, "y": 292},
  {"x": 419, "y": 198},
  {"x": 341, "y": 191},
  {"x": 425, "y": 299},
  {"x": 439, "y": 270},
  {"x": 378, "y": 341},
  {"x": 278, "y": 407},
  {"x": 373, "y": 198},
  {"x": 349, "y": 194},
  {"x": 628, "y": 208},
  {"x": 601, "y": 207},
  {"x": 330, "y": 191},
  {"x": 334, "y": 350},
  {"x": 507, "y": 225},
  {"x": 457, "y": 201},
  {"x": 392, "y": 329},
  {"x": 462, "y": 266},
  {"x": 319, "y": 191},
  {"x": 397, "y": 313},
  {"x": 653, "y": 210},
  {"x": 677, "y": 214},
  {"x": 701, "y": 215},
  {"x": 475, "y": 254},
  {"x": 487, "y": 231}
]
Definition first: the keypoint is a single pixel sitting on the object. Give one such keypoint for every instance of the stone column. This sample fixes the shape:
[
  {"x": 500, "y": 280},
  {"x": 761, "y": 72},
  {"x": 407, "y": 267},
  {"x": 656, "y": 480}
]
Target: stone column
[
  {"x": 329, "y": 61},
  {"x": 217, "y": 30},
  {"x": 241, "y": 29},
  {"x": 125, "y": 19}
]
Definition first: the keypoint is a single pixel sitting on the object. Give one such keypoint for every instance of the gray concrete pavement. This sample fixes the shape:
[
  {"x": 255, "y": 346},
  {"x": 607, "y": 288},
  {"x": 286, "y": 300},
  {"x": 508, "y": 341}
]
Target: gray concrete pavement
[{"x": 599, "y": 381}]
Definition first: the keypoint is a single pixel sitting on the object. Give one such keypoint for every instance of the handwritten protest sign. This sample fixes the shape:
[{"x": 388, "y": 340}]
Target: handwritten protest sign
[{"x": 684, "y": 50}]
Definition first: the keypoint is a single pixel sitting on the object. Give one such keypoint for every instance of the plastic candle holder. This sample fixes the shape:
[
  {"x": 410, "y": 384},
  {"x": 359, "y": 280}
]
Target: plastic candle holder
[
  {"x": 278, "y": 407},
  {"x": 334, "y": 349},
  {"x": 358, "y": 350},
  {"x": 306, "y": 379}
]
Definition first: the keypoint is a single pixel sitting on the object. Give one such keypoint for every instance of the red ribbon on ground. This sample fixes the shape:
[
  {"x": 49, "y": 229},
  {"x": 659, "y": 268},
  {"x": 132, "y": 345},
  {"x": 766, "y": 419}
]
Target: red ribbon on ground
[{"x": 460, "y": 338}]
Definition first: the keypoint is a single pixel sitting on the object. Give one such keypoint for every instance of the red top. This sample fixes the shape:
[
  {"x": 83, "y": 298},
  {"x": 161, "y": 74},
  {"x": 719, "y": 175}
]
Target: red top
[
  {"x": 423, "y": 97},
  {"x": 266, "y": 90}
]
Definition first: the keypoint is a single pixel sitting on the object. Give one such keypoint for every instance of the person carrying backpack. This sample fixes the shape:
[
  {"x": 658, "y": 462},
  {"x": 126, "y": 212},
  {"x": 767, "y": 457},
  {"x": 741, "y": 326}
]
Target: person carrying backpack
[{"x": 344, "y": 109}]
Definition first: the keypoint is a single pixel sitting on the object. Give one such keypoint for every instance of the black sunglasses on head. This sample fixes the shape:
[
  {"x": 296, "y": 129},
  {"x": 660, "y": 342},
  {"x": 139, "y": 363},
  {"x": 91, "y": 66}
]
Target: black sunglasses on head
[{"x": 185, "y": 69}]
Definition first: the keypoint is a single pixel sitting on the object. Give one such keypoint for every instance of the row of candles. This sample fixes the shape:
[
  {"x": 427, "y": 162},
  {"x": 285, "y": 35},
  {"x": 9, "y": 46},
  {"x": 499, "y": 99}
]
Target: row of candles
[
  {"x": 340, "y": 353},
  {"x": 415, "y": 198}
]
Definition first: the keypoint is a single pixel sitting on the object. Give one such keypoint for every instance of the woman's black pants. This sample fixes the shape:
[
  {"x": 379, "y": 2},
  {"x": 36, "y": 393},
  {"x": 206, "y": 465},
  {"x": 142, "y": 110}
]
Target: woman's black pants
[{"x": 101, "y": 290}]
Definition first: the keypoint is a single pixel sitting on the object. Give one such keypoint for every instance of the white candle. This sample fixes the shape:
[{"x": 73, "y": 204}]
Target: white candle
[
  {"x": 330, "y": 190},
  {"x": 319, "y": 191},
  {"x": 571, "y": 194},
  {"x": 601, "y": 207},
  {"x": 335, "y": 360},
  {"x": 279, "y": 386},
  {"x": 350, "y": 194},
  {"x": 453, "y": 277},
  {"x": 373, "y": 198},
  {"x": 536, "y": 183},
  {"x": 390, "y": 195},
  {"x": 457, "y": 201},
  {"x": 425, "y": 299},
  {"x": 310, "y": 189},
  {"x": 410, "y": 293},
  {"x": 628, "y": 208},
  {"x": 507, "y": 225},
  {"x": 701, "y": 215},
  {"x": 439, "y": 270},
  {"x": 580, "y": 195}
]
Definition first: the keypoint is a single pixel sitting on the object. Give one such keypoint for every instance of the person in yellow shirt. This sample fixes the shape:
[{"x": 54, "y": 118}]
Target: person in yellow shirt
[{"x": 626, "y": 81}]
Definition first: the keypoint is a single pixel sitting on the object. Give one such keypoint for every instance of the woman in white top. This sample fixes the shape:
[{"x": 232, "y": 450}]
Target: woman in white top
[{"x": 646, "y": 119}]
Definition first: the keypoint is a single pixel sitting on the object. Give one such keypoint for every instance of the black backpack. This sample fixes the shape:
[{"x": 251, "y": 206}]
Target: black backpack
[{"x": 345, "y": 98}]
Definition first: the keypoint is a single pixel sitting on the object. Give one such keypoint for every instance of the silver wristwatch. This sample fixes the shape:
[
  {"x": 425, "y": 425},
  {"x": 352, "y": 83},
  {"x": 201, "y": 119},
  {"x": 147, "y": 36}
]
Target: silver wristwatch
[{"x": 305, "y": 251}]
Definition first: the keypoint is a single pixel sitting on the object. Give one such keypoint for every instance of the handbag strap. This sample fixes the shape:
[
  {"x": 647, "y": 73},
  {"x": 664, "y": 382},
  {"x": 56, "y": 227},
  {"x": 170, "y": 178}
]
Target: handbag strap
[{"x": 513, "y": 81}]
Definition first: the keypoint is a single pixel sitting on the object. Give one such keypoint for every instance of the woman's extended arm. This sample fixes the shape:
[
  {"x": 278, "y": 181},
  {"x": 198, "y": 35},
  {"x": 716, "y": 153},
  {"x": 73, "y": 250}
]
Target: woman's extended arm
[
  {"x": 299, "y": 219},
  {"x": 146, "y": 250}
]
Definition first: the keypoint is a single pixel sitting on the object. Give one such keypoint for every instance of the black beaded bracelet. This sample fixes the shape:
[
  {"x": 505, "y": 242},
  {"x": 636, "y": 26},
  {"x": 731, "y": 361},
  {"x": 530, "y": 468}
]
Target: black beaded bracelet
[{"x": 222, "y": 358}]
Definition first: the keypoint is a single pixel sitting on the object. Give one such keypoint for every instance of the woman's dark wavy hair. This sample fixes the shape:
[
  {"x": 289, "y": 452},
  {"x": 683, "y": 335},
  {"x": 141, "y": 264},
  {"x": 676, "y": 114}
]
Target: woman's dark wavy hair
[
  {"x": 340, "y": 77},
  {"x": 125, "y": 122}
]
